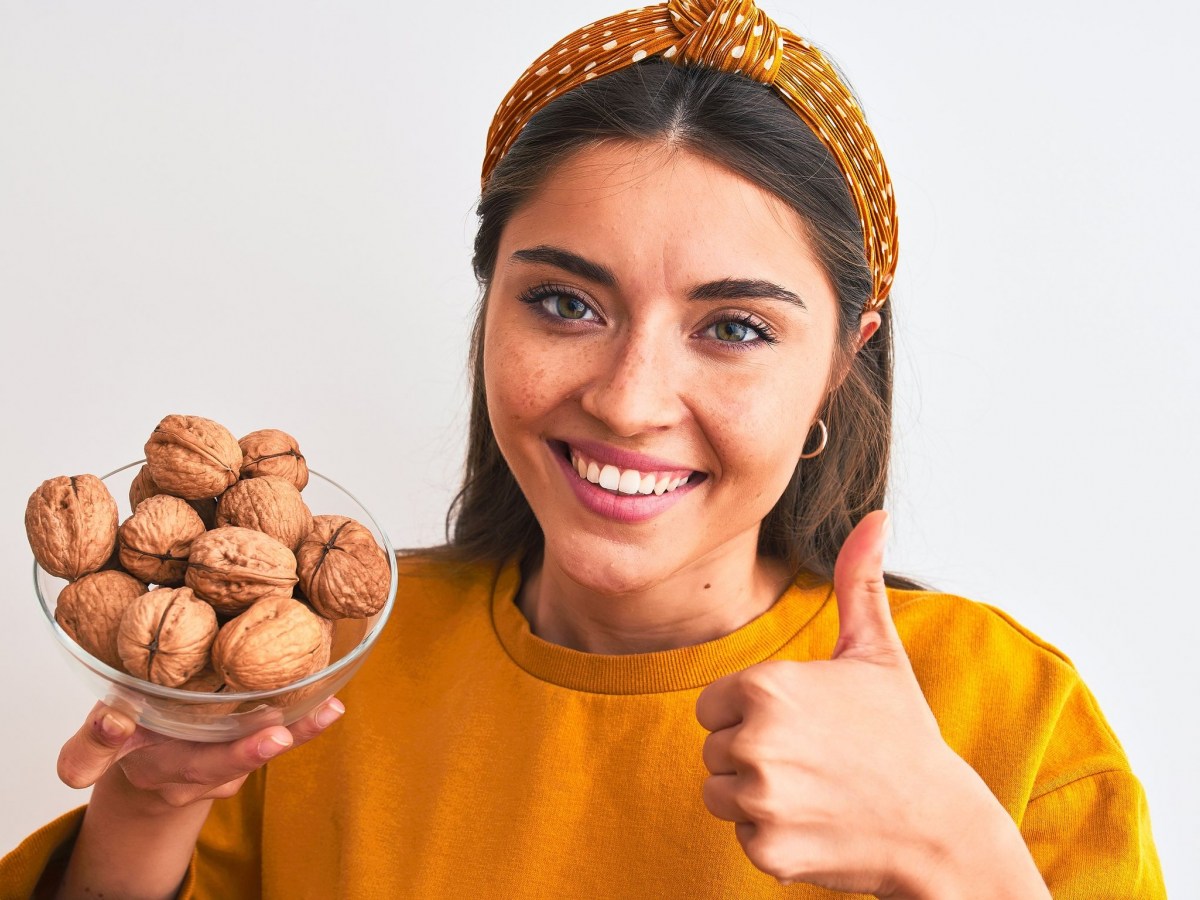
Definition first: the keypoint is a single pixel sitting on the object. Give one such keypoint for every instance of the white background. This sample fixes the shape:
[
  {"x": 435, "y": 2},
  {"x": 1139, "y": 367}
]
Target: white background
[{"x": 262, "y": 213}]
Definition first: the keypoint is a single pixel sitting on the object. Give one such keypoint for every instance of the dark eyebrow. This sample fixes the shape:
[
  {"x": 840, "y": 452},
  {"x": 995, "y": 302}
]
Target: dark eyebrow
[
  {"x": 724, "y": 289},
  {"x": 744, "y": 289},
  {"x": 569, "y": 262}
]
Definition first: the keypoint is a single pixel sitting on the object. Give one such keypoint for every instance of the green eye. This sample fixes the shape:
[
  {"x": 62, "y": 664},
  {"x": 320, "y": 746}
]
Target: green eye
[
  {"x": 734, "y": 332},
  {"x": 569, "y": 307}
]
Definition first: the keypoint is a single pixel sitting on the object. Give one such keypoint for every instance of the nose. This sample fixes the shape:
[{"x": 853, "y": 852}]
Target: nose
[{"x": 634, "y": 387}]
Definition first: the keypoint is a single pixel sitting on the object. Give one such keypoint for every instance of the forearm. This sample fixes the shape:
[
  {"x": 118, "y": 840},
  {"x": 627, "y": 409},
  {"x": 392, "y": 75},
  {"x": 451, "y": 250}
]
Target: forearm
[
  {"x": 979, "y": 852},
  {"x": 131, "y": 844}
]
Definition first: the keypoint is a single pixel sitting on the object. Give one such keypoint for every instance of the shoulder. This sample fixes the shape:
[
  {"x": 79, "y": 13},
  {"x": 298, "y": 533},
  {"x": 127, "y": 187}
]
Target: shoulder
[
  {"x": 433, "y": 575},
  {"x": 947, "y": 624},
  {"x": 1000, "y": 692},
  {"x": 976, "y": 650},
  {"x": 435, "y": 595}
]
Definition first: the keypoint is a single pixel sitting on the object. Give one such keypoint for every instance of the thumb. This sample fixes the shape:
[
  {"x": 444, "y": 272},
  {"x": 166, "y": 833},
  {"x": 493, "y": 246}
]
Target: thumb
[
  {"x": 866, "y": 630},
  {"x": 95, "y": 747}
]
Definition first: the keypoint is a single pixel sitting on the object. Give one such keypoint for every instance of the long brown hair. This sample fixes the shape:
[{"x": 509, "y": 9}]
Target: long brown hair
[{"x": 745, "y": 127}]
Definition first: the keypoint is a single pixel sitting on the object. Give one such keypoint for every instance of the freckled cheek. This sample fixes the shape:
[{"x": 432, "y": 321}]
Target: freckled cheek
[{"x": 518, "y": 381}]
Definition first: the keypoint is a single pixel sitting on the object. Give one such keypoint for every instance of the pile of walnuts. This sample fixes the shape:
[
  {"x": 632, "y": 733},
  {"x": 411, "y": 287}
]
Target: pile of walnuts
[{"x": 222, "y": 579}]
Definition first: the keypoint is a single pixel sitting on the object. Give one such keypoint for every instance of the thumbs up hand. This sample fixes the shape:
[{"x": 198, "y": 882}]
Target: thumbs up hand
[{"x": 835, "y": 772}]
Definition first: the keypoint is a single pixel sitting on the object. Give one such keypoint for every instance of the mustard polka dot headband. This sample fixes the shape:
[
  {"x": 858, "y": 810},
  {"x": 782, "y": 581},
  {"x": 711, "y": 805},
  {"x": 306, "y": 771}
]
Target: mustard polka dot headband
[{"x": 733, "y": 36}]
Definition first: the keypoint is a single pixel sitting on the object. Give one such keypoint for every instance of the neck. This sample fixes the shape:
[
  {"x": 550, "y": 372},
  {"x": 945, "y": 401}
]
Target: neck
[{"x": 707, "y": 600}]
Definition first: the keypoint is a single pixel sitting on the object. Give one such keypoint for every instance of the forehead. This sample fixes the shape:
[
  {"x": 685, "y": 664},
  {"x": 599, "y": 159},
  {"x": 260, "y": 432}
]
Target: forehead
[{"x": 660, "y": 212}]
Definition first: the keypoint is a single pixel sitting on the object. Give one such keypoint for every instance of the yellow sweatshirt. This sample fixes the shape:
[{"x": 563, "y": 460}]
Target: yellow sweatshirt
[{"x": 476, "y": 760}]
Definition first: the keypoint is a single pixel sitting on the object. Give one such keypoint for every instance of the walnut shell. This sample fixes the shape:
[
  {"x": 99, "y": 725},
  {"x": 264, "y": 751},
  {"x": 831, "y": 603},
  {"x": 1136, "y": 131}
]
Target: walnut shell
[
  {"x": 269, "y": 504},
  {"x": 143, "y": 487},
  {"x": 155, "y": 541},
  {"x": 275, "y": 642},
  {"x": 206, "y": 681},
  {"x": 71, "y": 523},
  {"x": 166, "y": 635},
  {"x": 193, "y": 457},
  {"x": 343, "y": 572},
  {"x": 233, "y": 567},
  {"x": 270, "y": 451},
  {"x": 90, "y": 610}
]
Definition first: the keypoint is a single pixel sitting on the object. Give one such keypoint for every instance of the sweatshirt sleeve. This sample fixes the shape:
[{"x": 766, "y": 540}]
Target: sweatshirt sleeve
[
  {"x": 1091, "y": 840},
  {"x": 43, "y": 853},
  {"x": 226, "y": 862},
  {"x": 1087, "y": 823}
]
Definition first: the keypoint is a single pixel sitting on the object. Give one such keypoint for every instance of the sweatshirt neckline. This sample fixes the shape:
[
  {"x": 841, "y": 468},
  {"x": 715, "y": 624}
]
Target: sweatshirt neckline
[{"x": 680, "y": 669}]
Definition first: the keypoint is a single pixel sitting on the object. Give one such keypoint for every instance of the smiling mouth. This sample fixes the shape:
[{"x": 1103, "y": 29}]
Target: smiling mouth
[{"x": 630, "y": 482}]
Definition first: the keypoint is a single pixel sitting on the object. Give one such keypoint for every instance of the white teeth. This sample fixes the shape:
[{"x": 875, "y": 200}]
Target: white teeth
[{"x": 630, "y": 483}]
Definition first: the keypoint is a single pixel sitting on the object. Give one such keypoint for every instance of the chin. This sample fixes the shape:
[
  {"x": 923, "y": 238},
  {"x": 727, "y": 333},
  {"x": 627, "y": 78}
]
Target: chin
[{"x": 614, "y": 570}]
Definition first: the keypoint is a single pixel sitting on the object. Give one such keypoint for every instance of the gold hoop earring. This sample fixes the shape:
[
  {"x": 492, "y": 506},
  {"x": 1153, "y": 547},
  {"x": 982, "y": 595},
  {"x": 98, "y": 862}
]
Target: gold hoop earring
[{"x": 824, "y": 440}]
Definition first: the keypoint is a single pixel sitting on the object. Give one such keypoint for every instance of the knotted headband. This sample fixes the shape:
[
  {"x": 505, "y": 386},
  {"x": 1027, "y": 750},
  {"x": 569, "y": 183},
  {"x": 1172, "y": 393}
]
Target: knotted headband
[{"x": 733, "y": 36}]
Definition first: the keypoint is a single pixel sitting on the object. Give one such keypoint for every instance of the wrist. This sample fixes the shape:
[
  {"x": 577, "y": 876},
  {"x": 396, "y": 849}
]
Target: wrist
[
  {"x": 116, "y": 798},
  {"x": 972, "y": 849}
]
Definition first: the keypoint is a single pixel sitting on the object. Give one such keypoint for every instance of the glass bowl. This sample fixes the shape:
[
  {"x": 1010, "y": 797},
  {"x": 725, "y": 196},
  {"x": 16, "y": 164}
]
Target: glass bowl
[{"x": 208, "y": 717}]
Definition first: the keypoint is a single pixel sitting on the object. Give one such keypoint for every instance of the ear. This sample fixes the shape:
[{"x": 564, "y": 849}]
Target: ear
[{"x": 867, "y": 326}]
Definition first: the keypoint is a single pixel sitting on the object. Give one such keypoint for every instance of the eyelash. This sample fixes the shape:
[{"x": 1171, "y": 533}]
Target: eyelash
[{"x": 536, "y": 296}]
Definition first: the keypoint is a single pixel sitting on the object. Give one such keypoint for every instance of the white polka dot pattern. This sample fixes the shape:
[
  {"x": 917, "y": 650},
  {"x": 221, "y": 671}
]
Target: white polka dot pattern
[{"x": 733, "y": 36}]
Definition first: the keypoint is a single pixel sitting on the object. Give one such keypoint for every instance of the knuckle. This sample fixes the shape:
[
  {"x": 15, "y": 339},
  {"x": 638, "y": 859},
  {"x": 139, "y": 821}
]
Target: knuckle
[
  {"x": 190, "y": 774},
  {"x": 177, "y": 796},
  {"x": 746, "y": 747},
  {"x": 766, "y": 852},
  {"x": 759, "y": 798},
  {"x": 227, "y": 790}
]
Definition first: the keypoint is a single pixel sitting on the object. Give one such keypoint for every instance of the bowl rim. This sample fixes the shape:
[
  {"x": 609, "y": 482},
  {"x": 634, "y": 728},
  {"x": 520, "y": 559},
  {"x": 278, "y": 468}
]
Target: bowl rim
[{"x": 201, "y": 698}]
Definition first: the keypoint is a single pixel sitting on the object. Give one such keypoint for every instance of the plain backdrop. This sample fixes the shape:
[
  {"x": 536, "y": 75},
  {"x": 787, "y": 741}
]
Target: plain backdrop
[{"x": 262, "y": 213}]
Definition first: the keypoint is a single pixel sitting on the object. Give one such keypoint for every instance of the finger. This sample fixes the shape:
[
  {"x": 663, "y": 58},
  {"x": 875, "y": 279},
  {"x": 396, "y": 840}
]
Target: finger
[
  {"x": 720, "y": 704},
  {"x": 866, "y": 629},
  {"x": 716, "y": 752},
  {"x": 89, "y": 752},
  {"x": 720, "y": 797},
  {"x": 307, "y": 728},
  {"x": 187, "y": 762}
]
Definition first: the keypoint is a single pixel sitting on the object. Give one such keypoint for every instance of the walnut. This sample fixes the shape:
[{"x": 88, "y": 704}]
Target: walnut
[
  {"x": 155, "y": 541},
  {"x": 269, "y": 504},
  {"x": 143, "y": 486},
  {"x": 89, "y": 610},
  {"x": 71, "y": 523},
  {"x": 233, "y": 567},
  {"x": 166, "y": 635},
  {"x": 343, "y": 572},
  {"x": 193, "y": 457},
  {"x": 206, "y": 681},
  {"x": 273, "y": 452},
  {"x": 275, "y": 642}
]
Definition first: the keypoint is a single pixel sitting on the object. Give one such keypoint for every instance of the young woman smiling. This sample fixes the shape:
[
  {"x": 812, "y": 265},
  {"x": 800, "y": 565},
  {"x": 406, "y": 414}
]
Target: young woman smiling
[{"x": 662, "y": 609}]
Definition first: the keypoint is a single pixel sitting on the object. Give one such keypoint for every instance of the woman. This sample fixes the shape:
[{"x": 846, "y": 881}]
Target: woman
[{"x": 663, "y": 608}]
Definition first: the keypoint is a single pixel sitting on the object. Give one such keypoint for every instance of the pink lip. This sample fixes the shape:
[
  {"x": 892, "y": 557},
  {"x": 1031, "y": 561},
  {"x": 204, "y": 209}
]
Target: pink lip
[
  {"x": 618, "y": 507},
  {"x": 603, "y": 454}
]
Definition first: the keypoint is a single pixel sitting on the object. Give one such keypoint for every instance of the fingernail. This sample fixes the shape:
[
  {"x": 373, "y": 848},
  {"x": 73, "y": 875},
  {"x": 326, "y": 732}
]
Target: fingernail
[
  {"x": 273, "y": 746},
  {"x": 330, "y": 713},
  {"x": 112, "y": 728}
]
